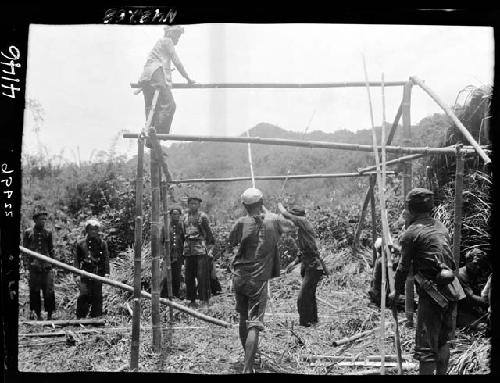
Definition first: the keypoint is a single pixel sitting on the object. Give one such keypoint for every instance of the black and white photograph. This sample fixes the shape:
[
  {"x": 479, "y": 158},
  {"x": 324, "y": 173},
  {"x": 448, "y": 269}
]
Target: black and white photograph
[{"x": 224, "y": 198}]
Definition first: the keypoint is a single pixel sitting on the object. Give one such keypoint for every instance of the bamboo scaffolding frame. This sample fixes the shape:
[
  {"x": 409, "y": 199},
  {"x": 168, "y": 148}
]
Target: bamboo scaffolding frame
[
  {"x": 395, "y": 161},
  {"x": 155, "y": 253},
  {"x": 123, "y": 286},
  {"x": 274, "y": 178},
  {"x": 270, "y": 85},
  {"x": 136, "y": 316},
  {"x": 454, "y": 118},
  {"x": 304, "y": 143}
]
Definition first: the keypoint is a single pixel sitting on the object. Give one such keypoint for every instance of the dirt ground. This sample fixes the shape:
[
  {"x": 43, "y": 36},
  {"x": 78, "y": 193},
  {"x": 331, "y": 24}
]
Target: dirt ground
[{"x": 197, "y": 347}]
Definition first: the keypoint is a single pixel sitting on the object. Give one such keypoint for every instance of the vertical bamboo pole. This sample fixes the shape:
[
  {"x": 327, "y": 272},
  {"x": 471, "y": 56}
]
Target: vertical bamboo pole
[
  {"x": 155, "y": 252},
  {"x": 361, "y": 220},
  {"x": 407, "y": 175},
  {"x": 167, "y": 261},
  {"x": 457, "y": 226},
  {"x": 373, "y": 179},
  {"x": 385, "y": 233},
  {"x": 397, "y": 341},
  {"x": 136, "y": 317}
]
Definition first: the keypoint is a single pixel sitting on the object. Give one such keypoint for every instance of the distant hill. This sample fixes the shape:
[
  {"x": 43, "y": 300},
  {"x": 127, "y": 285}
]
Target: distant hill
[{"x": 214, "y": 160}]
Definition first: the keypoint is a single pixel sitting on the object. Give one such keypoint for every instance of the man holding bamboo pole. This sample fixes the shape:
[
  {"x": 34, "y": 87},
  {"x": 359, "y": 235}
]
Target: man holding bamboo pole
[
  {"x": 255, "y": 263},
  {"x": 426, "y": 245}
]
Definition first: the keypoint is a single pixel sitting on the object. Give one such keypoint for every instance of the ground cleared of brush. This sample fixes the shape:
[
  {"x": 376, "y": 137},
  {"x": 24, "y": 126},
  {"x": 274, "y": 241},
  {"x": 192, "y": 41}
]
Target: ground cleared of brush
[{"x": 194, "y": 346}]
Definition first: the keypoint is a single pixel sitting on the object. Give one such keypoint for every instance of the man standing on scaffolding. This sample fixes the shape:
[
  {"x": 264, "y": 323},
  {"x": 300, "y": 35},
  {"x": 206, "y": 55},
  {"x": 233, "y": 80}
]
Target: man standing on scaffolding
[{"x": 157, "y": 76}]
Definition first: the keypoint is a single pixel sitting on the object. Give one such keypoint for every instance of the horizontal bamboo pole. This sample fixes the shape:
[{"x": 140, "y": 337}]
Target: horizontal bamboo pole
[
  {"x": 270, "y": 178},
  {"x": 66, "y": 322},
  {"x": 243, "y": 85},
  {"x": 454, "y": 118},
  {"x": 405, "y": 366},
  {"x": 123, "y": 286},
  {"x": 303, "y": 143},
  {"x": 395, "y": 161}
]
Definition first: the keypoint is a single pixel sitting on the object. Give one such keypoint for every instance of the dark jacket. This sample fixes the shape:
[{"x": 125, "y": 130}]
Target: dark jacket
[
  {"x": 41, "y": 242},
  {"x": 426, "y": 245},
  {"x": 92, "y": 256}
]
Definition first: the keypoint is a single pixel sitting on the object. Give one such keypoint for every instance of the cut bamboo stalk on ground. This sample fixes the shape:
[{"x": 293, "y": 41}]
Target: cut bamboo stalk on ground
[
  {"x": 66, "y": 322},
  {"x": 125, "y": 287},
  {"x": 360, "y": 335},
  {"x": 405, "y": 366}
]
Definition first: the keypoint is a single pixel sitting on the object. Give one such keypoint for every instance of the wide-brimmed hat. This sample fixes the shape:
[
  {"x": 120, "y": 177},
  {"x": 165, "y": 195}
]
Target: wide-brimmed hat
[{"x": 195, "y": 199}]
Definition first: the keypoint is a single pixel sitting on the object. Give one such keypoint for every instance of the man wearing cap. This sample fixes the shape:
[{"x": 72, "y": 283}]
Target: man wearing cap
[
  {"x": 176, "y": 250},
  {"x": 41, "y": 275},
  {"x": 198, "y": 246},
  {"x": 474, "y": 306},
  {"x": 256, "y": 261},
  {"x": 92, "y": 256},
  {"x": 311, "y": 268},
  {"x": 157, "y": 76},
  {"x": 426, "y": 245}
]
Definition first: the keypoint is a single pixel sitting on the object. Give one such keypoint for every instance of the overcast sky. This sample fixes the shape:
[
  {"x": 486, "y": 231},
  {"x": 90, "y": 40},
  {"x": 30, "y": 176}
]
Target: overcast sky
[{"x": 81, "y": 75}]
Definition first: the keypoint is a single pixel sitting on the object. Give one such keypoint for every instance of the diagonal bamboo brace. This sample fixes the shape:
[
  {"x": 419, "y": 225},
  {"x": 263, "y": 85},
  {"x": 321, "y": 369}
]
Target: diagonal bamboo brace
[{"x": 125, "y": 287}]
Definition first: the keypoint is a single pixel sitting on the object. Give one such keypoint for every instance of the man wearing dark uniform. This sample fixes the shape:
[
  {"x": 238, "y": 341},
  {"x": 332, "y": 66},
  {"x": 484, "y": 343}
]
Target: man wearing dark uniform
[
  {"x": 426, "y": 245},
  {"x": 311, "y": 268},
  {"x": 41, "y": 275},
  {"x": 256, "y": 261},
  {"x": 198, "y": 244},
  {"x": 176, "y": 257},
  {"x": 157, "y": 76},
  {"x": 92, "y": 256}
]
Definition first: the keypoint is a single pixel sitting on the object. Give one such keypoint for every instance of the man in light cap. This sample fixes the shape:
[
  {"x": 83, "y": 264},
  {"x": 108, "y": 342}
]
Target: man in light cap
[
  {"x": 92, "y": 256},
  {"x": 256, "y": 261},
  {"x": 198, "y": 246},
  {"x": 41, "y": 275},
  {"x": 426, "y": 245},
  {"x": 311, "y": 268},
  {"x": 157, "y": 76}
]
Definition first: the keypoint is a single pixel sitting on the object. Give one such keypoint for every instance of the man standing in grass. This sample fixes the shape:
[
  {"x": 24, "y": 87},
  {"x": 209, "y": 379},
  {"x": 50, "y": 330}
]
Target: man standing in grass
[
  {"x": 41, "y": 275},
  {"x": 311, "y": 268},
  {"x": 426, "y": 245},
  {"x": 256, "y": 261},
  {"x": 198, "y": 245},
  {"x": 92, "y": 256}
]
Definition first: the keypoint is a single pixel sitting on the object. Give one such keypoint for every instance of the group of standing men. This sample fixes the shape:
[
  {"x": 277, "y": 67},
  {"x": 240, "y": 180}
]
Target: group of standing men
[
  {"x": 91, "y": 255},
  {"x": 192, "y": 245}
]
